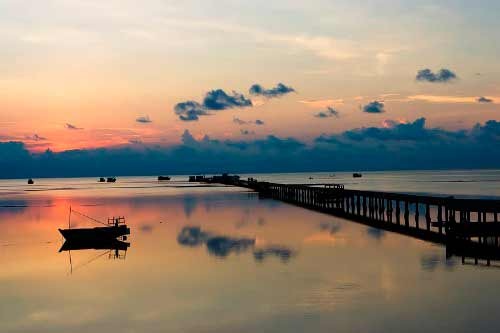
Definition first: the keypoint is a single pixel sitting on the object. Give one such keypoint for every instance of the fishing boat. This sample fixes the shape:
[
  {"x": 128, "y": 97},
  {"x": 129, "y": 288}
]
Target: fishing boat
[
  {"x": 115, "y": 227},
  {"x": 111, "y": 179},
  {"x": 357, "y": 175},
  {"x": 160, "y": 178},
  {"x": 30, "y": 181}
]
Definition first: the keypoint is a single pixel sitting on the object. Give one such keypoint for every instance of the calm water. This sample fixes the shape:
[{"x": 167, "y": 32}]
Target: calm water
[{"x": 219, "y": 259}]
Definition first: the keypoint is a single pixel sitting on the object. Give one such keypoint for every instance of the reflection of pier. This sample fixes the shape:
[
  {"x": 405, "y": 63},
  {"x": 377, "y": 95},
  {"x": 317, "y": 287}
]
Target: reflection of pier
[{"x": 469, "y": 225}]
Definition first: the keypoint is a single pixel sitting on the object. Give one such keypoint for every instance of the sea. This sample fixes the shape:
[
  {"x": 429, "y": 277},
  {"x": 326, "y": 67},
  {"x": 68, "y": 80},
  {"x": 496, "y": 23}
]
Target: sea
[{"x": 213, "y": 258}]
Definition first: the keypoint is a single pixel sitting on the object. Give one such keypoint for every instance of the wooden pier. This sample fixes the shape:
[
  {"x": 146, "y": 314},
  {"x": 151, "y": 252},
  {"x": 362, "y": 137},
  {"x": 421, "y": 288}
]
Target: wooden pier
[{"x": 445, "y": 220}]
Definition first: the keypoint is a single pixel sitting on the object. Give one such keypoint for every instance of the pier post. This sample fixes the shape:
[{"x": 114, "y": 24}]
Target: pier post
[
  {"x": 479, "y": 221},
  {"x": 495, "y": 220},
  {"x": 382, "y": 209},
  {"x": 347, "y": 205},
  {"x": 389, "y": 210},
  {"x": 407, "y": 214},
  {"x": 417, "y": 215},
  {"x": 428, "y": 216},
  {"x": 398, "y": 212},
  {"x": 370, "y": 207},
  {"x": 440, "y": 219},
  {"x": 364, "y": 205}
]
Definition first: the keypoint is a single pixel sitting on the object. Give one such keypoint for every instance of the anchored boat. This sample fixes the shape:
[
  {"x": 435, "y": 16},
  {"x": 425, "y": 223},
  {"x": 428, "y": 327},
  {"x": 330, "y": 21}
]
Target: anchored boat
[{"x": 114, "y": 228}]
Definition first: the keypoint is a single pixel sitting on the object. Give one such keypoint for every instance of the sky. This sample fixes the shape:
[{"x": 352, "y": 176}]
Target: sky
[{"x": 136, "y": 74}]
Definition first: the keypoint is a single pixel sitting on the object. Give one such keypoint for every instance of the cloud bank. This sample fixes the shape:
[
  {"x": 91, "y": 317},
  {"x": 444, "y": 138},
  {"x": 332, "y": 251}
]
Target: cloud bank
[{"x": 401, "y": 146}]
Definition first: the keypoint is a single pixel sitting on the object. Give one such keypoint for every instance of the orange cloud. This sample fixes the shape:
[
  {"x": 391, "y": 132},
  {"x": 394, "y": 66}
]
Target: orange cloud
[
  {"x": 321, "y": 103},
  {"x": 445, "y": 99}
]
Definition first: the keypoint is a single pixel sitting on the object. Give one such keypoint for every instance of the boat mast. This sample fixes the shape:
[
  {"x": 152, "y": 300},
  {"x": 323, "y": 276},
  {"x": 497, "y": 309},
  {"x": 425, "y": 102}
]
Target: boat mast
[{"x": 69, "y": 219}]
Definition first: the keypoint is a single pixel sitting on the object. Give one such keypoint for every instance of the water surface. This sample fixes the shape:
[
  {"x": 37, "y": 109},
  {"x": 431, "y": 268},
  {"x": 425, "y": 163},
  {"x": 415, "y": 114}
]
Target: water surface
[{"x": 219, "y": 259}]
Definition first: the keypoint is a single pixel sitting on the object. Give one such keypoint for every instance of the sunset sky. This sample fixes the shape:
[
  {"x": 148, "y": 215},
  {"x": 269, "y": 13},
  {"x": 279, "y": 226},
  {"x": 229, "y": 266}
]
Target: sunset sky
[{"x": 86, "y": 74}]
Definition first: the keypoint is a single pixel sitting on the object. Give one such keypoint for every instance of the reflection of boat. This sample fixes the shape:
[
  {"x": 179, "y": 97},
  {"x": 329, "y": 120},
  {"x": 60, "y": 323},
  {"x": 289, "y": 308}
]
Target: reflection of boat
[
  {"x": 111, "y": 179},
  {"x": 163, "y": 178},
  {"x": 30, "y": 181},
  {"x": 114, "y": 228},
  {"x": 113, "y": 248},
  {"x": 112, "y": 244},
  {"x": 357, "y": 175}
]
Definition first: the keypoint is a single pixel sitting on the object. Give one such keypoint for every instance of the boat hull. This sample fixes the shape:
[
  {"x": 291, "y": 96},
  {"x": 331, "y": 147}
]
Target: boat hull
[{"x": 99, "y": 233}]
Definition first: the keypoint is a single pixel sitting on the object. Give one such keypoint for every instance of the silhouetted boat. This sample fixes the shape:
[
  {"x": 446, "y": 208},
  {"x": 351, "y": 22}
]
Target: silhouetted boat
[
  {"x": 102, "y": 180},
  {"x": 31, "y": 181},
  {"x": 114, "y": 228},
  {"x": 357, "y": 175},
  {"x": 98, "y": 233},
  {"x": 163, "y": 178},
  {"x": 111, "y": 179}
]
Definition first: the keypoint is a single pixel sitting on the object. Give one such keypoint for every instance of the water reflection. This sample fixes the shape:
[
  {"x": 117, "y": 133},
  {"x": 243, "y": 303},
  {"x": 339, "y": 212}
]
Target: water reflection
[
  {"x": 431, "y": 261},
  {"x": 146, "y": 228},
  {"x": 222, "y": 246},
  {"x": 336, "y": 271},
  {"x": 375, "y": 233},
  {"x": 111, "y": 248},
  {"x": 283, "y": 253},
  {"x": 331, "y": 227},
  {"x": 190, "y": 203}
]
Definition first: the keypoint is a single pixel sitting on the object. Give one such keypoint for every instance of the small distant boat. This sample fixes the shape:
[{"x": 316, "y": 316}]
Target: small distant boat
[
  {"x": 160, "y": 178},
  {"x": 31, "y": 181},
  {"x": 114, "y": 228},
  {"x": 111, "y": 179},
  {"x": 102, "y": 180},
  {"x": 357, "y": 175},
  {"x": 311, "y": 178}
]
